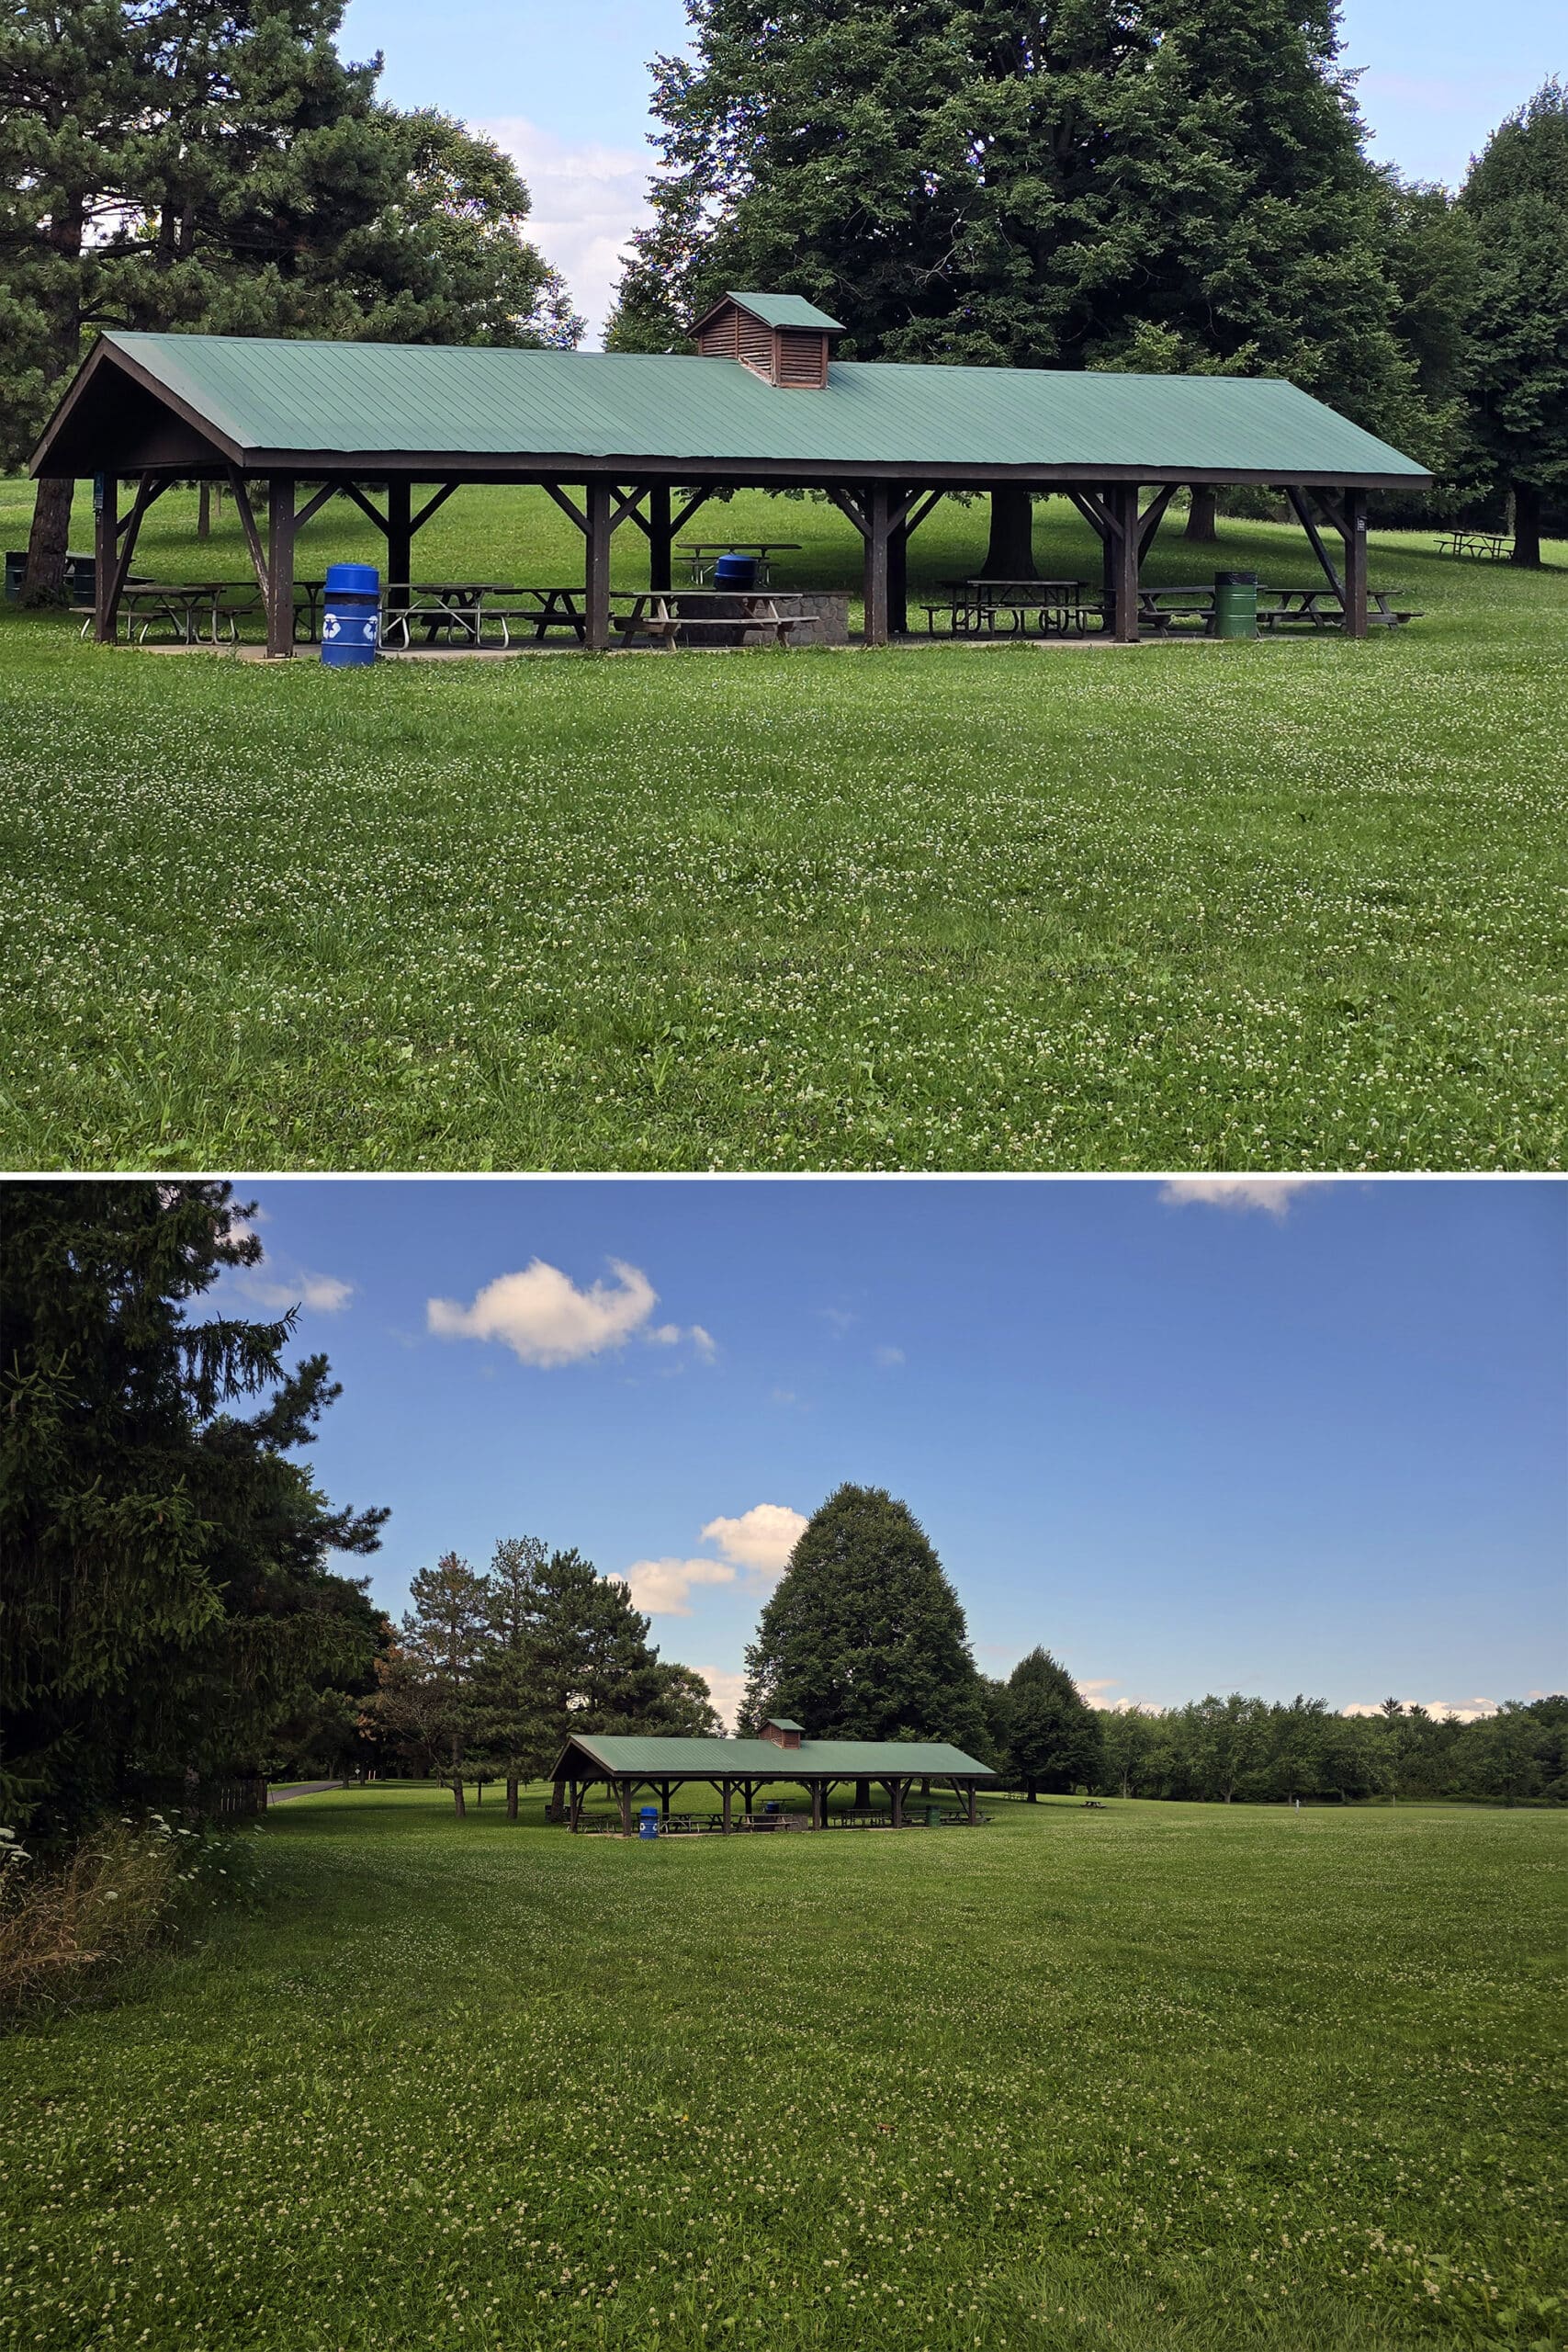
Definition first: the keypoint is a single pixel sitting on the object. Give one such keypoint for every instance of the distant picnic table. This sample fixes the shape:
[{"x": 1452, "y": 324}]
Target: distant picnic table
[
  {"x": 976, "y": 607},
  {"x": 700, "y": 554},
  {"x": 1496, "y": 544}
]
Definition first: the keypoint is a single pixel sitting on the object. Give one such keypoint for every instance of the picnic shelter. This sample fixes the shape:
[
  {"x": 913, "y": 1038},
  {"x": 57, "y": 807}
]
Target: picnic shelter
[
  {"x": 648, "y": 440},
  {"x": 739, "y": 1768}
]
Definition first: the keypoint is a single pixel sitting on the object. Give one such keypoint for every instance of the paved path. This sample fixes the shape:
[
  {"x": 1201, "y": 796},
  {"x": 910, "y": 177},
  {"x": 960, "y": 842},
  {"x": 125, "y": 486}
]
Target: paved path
[{"x": 302, "y": 1789}]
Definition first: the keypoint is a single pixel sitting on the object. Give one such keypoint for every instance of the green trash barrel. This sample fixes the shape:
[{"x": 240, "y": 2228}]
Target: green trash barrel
[
  {"x": 933, "y": 1816},
  {"x": 1236, "y": 603}
]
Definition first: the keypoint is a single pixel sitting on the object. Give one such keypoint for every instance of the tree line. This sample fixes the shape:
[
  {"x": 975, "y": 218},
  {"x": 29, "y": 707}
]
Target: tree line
[
  {"x": 200, "y": 164},
  {"x": 1170, "y": 185},
  {"x": 865, "y": 1638}
]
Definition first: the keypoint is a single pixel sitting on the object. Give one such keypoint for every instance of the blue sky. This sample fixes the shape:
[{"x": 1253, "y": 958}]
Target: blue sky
[
  {"x": 566, "y": 89},
  {"x": 1275, "y": 1439}
]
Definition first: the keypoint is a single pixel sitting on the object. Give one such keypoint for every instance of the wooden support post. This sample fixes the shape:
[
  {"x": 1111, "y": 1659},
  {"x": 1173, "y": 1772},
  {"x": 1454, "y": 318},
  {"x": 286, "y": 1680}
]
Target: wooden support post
[
  {"x": 626, "y": 1789},
  {"x": 1121, "y": 550},
  {"x": 400, "y": 545},
  {"x": 1353, "y": 531},
  {"x": 280, "y": 567},
  {"x": 972, "y": 1803},
  {"x": 897, "y": 1788},
  {"x": 878, "y": 506},
  {"x": 105, "y": 558},
  {"x": 749, "y": 1791},
  {"x": 665, "y": 1803},
  {"x": 727, "y": 1791},
  {"x": 661, "y": 537},
  {"x": 575, "y": 1812},
  {"x": 597, "y": 575},
  {"x": 819, "y": 1805},
  {"x": 898, "y": 580}
]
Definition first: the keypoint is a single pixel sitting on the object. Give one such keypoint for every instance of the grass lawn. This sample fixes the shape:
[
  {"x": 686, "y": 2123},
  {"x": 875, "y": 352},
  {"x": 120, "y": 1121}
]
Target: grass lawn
[
  {"x": 1162, "y": 2075},
  {"x": 1295, "y": 904}
]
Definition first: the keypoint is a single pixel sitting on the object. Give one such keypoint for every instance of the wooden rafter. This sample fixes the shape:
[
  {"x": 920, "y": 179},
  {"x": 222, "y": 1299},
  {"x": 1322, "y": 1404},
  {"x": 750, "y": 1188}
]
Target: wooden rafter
[
  {"x": 1153, "y": 516},
  {"x": 1302, "y": 506},
  {"x": 313, "y": 506},
  {"x": 432, "y": 507},
  {"x": 248, "y": 525},
  {"x": 569, "y": 506},
  {"x": 351, "y": 490}
]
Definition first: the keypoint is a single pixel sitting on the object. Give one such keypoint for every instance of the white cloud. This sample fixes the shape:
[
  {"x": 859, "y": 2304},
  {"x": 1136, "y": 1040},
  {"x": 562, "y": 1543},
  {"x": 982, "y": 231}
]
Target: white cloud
[
  {"x": 726, "y": 1690},
  {"x": 587, "y": 201},
  {"x": 1459, "y": 1711},
  {"x": 1273, "y": 1194},
  {"x": 888, "y": 1357},
  {"x": 762, "y": 1539},
  {"x": 663, "y": 1587},
  {"x": 1097, "y": 1694},
  {"x": 704, "y": 1342},
  {"x": 542, "y": 1315},
  {"x": 323, "y": 1293}
]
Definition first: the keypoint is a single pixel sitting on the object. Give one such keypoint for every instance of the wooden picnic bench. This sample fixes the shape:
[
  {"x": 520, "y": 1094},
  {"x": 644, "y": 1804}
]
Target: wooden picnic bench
[
  {"x": 1496, "y": 544},
  {"x": 723, "y": 616},
  {"x": 977, "y": 607}
]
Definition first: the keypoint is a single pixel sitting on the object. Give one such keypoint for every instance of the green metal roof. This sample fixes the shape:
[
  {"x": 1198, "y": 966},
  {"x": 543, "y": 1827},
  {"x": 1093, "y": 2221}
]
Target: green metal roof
[
  {"x": 787, "y": 310},
  {"x": 282, "y": 399},
  {"x": 760, "y": 1760}
]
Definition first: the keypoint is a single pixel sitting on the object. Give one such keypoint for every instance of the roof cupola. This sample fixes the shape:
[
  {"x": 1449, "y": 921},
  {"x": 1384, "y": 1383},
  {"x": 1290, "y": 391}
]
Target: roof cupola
[{"x": 780, "y": 337}]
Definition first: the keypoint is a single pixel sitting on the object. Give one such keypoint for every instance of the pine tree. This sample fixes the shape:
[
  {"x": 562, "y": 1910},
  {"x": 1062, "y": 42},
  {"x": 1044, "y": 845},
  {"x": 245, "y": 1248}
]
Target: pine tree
[
  {"x": 864, "y": 1638},
  {"x": 1052, "y": 1735},
  {"x": 444, "y": 1642},
  {"x": 168, "y": 1608},
  {"x": 1517, "y": 196},
  {"x": 513, "y": 1730}
]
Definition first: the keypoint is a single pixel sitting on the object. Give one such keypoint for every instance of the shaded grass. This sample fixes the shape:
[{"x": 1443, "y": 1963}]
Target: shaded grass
[
  {"x": 1164, "y": 2075},
  {"x": 1285, "y": 905}
]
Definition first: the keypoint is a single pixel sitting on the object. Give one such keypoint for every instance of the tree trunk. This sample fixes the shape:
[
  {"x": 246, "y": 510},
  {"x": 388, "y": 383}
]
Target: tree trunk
[
  {"x": 558, "y": 1801},
  {"x": 511, "y": 1799},
  {"x": 204, "y": 512},
  {"x": 1202, "y": 514},
  {"x": 45, "y": 582},
  {"x": 1030, "y": 1796},
  {"x": 1526, "y": 525},
  {"x": 862, "y": 1797},
  {"x": 459, "y": 1806},
  {"x": 1011, "y": 555}
]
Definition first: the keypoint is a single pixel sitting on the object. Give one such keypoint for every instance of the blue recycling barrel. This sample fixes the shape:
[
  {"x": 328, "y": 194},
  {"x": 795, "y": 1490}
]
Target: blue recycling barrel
[
  {"x": 351, "y": 615},
  {"x": 734, "y": 571},
  {"x": 648, "y": 1821}
]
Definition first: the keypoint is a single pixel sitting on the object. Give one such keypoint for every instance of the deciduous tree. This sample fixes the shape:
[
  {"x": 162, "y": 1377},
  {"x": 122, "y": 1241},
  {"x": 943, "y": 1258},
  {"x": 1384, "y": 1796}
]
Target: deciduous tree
[
  {"x": 864, "y": 1638},
  {"x": 1054, "y": 1739},
  {"x": 199, "y": 164},
  {"x": 1517, "y": 196}
]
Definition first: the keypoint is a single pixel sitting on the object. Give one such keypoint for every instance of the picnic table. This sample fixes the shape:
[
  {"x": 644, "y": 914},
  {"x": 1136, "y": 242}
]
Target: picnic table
[
  {"x": 210, "y": 609},
  {"x": 722, "y": 615},
  {"x": 700, "y": 553},
  {"x": 1323, "y": 607},
  {"x": 1496, "y": 543},
  {"x": 975, "y": 606}
]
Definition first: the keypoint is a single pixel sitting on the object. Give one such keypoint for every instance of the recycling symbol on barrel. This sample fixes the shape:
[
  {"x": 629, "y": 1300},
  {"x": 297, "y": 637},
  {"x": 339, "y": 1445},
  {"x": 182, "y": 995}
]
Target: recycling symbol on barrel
[{"x": 331, "y": 628}]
